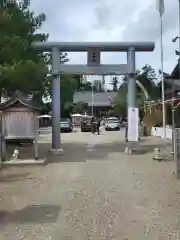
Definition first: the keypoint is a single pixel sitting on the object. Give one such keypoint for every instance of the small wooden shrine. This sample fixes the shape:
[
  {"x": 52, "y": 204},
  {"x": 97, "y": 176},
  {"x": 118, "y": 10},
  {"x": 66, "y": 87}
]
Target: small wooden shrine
[{"x": 19, "y": 122}]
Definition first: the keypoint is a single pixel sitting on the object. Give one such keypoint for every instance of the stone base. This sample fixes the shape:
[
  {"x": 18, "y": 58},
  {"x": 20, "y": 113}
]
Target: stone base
[
  {"x": 160, "y": 158},
  {"x": 56, "y": 152},
  {"x": 128, "y": 150}
]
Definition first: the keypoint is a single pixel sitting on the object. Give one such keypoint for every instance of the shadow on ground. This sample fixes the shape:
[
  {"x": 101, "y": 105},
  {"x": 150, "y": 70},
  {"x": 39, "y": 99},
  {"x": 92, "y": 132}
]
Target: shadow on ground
[
  {"x": 31, "y": 214},
  {"x": 79, "y": 152},
  {"x": 48, "y": 131},
  {"x": 9, "y": 177}
]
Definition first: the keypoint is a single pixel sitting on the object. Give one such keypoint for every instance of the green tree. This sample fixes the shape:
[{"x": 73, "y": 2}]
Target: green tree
[
  {"x": 120, "y": 103},
  {"x": 147, "y": 78},
  {"x": 21, "y": 68},
  {"x": 68, "y": 85},
  {"x": 79, "y": 80},
  {"x": 84, "y": 86},
  {"x": 4, "y": 3},
  {"x": 87, "y": 86}
]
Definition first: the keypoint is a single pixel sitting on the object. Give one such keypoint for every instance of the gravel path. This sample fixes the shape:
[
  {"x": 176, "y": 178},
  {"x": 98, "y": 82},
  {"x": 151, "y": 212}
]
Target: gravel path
[{"x": 96, "y": 192}]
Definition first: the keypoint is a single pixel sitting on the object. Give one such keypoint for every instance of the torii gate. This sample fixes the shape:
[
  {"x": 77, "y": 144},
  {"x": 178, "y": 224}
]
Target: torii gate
[{"x": 93, "y": 66}]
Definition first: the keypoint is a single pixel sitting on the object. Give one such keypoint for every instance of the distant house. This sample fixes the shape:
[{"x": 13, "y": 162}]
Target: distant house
[
  {"x": 172, "y": 90},
  {"x": 101, "y": 101},
  {"x": 172, "y": 83}
]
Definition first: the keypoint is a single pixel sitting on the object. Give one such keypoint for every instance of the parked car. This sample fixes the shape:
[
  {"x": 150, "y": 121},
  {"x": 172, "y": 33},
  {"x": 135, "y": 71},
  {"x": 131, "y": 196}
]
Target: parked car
[
  {"x": 66, "y": 125},
  {"x": 86, "y": 125},
  {"x": 112, "y": 123}
]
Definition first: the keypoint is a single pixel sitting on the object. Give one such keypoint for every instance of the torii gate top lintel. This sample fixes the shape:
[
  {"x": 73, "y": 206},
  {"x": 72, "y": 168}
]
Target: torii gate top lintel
[{"x": 102, "y": 46}]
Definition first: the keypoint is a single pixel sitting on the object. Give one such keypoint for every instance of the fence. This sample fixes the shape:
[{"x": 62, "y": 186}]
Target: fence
[{"x": 159, "y": 132}]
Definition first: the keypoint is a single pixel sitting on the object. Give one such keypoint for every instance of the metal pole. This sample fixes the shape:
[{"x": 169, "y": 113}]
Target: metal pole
[
  {"x": 56, "y": 102},
  {"x": 162, "y": 77},
  {"x": 179, "y": 42},
  {"x": 92, "y": 99},
  {"x": 176, "y": 138},
  {"x": 173, "y": 120},
  {"x": 173, "y": 129}
]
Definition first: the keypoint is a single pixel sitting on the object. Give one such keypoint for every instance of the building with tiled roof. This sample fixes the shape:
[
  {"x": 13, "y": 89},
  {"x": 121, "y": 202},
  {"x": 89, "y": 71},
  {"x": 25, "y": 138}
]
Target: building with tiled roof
[{"x": 101, "y": 101}]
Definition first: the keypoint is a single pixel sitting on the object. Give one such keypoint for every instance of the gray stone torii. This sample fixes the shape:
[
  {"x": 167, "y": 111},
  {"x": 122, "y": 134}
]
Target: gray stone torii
[{"x": 94, "y": 68}]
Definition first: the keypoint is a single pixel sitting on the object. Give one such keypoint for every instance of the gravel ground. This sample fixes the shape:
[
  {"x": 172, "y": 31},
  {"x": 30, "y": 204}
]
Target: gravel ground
[{"x": 95, "y": 192}]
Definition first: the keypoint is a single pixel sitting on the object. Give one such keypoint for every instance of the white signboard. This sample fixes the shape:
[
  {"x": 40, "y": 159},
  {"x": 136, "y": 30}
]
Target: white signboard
[
  {"x": 93, "y": 56},
  {"x": 133, "y": 124}
]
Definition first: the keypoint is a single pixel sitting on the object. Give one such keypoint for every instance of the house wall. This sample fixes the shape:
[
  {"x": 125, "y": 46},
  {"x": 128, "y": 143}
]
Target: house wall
[
  {"x": 98, "y": 110},
  {"x": 170, "y": 94}
]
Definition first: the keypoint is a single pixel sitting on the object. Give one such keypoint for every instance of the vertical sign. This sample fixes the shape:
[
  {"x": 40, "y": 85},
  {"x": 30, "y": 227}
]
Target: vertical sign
[
  {"x": 133, "y": 124},
  {"x": 93, "y": 56}
]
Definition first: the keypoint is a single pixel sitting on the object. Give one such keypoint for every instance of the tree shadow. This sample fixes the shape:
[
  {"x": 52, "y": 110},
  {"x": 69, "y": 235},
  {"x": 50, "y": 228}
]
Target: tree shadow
[
  {"x": 3, "y": 215},
  {"x": 72, "y": 152},
  {"x": 80, "y": 152},
  {"x": 31, "y": 214},
  {"x": 5, "y": 178},
  {"x": 138, "y": 149},
  {"x": 48, "y": 131}
]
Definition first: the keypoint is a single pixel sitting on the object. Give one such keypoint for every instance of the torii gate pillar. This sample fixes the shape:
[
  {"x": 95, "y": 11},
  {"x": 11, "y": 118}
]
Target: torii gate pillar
[
  {"x": 56, "y": 102},
  {"x": 131, "y": 61}
]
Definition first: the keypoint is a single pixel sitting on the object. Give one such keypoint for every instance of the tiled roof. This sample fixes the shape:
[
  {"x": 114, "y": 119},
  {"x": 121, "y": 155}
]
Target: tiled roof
[
  {"x": 176, "y": 82},
  {"x": 176, "y": 71},
  {"x": 23, "y": 99},
  {"x": 168, "y": 78},
  {"x": 100, "y": 98}
]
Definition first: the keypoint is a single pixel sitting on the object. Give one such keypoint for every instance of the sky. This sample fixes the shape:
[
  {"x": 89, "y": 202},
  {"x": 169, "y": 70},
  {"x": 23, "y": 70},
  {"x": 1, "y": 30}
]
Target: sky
[{"x": 113, "y": 20}]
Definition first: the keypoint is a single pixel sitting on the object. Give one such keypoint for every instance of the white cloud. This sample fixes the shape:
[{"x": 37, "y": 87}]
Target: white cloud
[{"x": 112, "y": 20}]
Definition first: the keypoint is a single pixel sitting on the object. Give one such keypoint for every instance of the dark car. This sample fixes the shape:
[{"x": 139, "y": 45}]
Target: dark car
[
  {"x": 66, "y": 125},
  {"x": 86, "y": 125}
]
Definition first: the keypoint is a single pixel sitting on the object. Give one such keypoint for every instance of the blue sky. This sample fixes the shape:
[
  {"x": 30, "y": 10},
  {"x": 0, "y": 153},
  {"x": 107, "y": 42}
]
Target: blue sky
[{"x": 105, "y": 20}]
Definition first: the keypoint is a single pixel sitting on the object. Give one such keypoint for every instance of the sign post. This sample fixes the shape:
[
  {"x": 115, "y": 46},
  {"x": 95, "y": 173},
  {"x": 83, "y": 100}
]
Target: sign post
[{"x": 133, "y": 124}]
